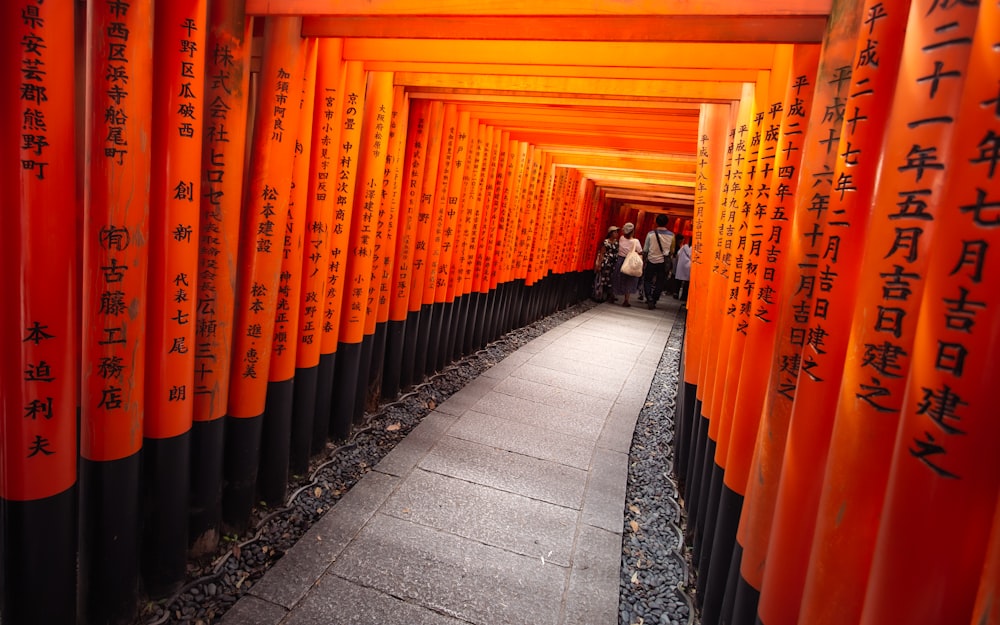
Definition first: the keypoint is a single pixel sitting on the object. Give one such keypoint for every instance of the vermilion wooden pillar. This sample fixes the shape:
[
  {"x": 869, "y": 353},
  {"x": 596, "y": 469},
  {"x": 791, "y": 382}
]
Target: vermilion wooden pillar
[
  {"x": 351, "y": 385},
  {"x": 755, "y": 519},
  {"x": 39, "y": 329},
  {"x": 224, "y": 115},
  {"x": 389, "y": 216},
  {"x": 840, "y": 548},
  {"x": 400, "y": 342},
  {"x": 944, "y": 474},
  {"x": 467, "y": 235},
  {"x": 279, "y": 406},
  {"x": 419, "y": 317},
  {"x": 309, "y": 430},
  {"x": 115, "y": 254},
  {"x": 346, "y": 168},
  {"x": 810, "y": 423},
  {"x": 266, "y": 210},
  {"x": 174, "y": 236},
  {"x": 331, "y": 76}
]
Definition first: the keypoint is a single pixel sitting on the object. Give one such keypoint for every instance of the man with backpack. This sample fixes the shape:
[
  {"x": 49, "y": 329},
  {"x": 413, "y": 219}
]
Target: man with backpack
[{"x": 658, "y": 250}]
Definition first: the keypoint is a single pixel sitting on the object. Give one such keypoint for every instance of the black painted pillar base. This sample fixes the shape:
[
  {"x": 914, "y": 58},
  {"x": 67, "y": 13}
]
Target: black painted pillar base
[
  {"x": 38, "y": 560},
  {"x": 303, "y": 416},
  {"x": 745, "y": 604},
  {"x": 240, "y": 471},
  {"x": 208, "y": 440},
  {"x": 727, "y": 519},
  {"x": 109, "y": 541},
  {"x": 699, "y": 439},
  {"x": 345, "y": 389},
  {"x": 364, "y": 374},
  {"x": 447, "y": 342},
  {"x": 460, "y": 321},
  {"x": 392, "y": 369},
  {"x": 469, "y": 336},
  {"x": 682, "y": 438},
  {"x": 434, "y": 345},
  {"x": 272, "y": 480},
  {"x": 482, "y": 313},
  {"x": 706, "y": 519},
  {"x": 166, "y": 480},
  {"x": 494, "y": 313},
  {"x": 729, "y": 599},
  {"x": 375, "y": 371},
  {"x": 408, "y": 368},
  {"x": 327, "y": 369}
]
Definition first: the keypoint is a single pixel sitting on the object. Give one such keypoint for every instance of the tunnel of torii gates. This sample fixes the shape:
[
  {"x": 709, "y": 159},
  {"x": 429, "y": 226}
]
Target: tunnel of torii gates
[{"x": 287, "y": 210}]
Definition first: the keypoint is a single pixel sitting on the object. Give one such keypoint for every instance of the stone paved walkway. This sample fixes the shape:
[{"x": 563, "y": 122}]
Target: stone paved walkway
[{"x": 503, "y": 507}]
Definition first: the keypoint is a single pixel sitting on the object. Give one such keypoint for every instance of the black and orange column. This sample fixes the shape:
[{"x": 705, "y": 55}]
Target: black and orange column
[
  {"x": 174, "y": 235},
  {"x": 261, "y": 244},
  {"x": 318, "y": 197},
  {"x": 754, "y": 529},
  {"x": 331, "y": 194},
  {"x": 389, "y": 216},
  {"x": 826, "y": 599},
  {"x": 415, "y": 344},
  {"x": 401, "y": 331},
  {"x": 944, "y": 469},
  {"x": 39, "y": 338},
  {"x": 279, "y": 405},
  {"x": 224, "y": 115},
  {"x": 115, "y": 254},
  {"x": 351, "y": 383},
  {"x": 469, "y": 231}
]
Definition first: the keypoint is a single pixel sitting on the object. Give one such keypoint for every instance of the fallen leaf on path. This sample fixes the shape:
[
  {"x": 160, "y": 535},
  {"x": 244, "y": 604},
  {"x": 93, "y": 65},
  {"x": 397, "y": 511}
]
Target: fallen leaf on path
[{"x": 393, "y": 427}]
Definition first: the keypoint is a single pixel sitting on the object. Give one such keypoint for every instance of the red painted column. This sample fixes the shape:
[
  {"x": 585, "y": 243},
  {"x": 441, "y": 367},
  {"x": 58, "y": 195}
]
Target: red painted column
[
  {"x": 944, "y": 473},
  {"x": 841, "y": 550},
  {"x": 39, "y": 336},
  {"x": 115, "y": 253},
  {"x": 266, "y": 209},
  {"x": 279, "y": 406},
  {"x": 401, "y": 339},
  {"x": 174, "y": 236},
  {"x": 331, "y": 77},
  {"x": 224, "y": 116}
]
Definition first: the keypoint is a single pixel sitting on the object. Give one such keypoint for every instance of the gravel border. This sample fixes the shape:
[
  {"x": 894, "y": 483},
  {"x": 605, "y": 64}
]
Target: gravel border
[
  {"x": 214, "y": 585},
  {"x": 656, "y": 586}
]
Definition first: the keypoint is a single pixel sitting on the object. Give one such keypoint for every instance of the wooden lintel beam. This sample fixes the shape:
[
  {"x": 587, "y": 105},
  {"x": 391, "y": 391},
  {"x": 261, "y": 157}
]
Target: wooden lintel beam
[
  {"x": 756, "y": 56},
  {"x": 652, "y": 28},
  {"x": 619, "y": 88},
  {"x": 581, "y": 71},
  {"x": 535, "y": 99}
]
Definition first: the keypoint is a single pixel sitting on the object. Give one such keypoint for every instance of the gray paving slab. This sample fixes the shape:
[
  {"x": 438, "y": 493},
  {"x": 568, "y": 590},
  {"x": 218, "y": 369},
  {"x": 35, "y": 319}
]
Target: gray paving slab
[
  {"x": 528, "y": 440},
  {"x": 604, "y": 499},
  {"x": 591, "y": 366},
  {"x": 336, "y": 600},
  {"x": 494, "y": 517},
  {"x": 623, "y": 332},
  {"x": 560, "y": 398},
  {"x": 250, "y": 610},
  {"x": 408, "y": 452},
  {"x": 539, "y": 414},
  {"x": 453, "y": 575},
  {"x": 592, "y": 597},
  {"x": 601, "y": 344},
  {"x": 619, "y": 428},
  {"x": 463, "y": 399},
  {"x": 577, "y": 352},
  {"x": 567, "y": 381},
  {"x": 505, "y": 470},
  {"x": 295, "y": 573}
]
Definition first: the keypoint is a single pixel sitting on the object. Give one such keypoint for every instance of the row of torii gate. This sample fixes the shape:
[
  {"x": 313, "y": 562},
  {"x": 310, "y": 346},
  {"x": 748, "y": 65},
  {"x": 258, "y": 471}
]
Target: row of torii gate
[{"x": 239, "y": 222}]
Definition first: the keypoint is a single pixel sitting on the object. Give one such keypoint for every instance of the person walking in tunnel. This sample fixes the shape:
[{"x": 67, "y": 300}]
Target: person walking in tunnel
[
  {"x": 682, "y": 273},
  {"x": 624, "y": 283},
  {"x": 657, "y": 250},
  {"x": 604, "y": 267}
]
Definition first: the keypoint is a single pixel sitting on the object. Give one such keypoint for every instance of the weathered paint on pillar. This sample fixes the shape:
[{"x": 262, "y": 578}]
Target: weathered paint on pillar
[
  {"x": 840, "y": 542},
  {"x": 115, "y": 254},
  {"x": 944, "y": 474},
  {"x": 39, "y": 337},
  {"x": 174, "y": 236},
  {"x": 224, "y": 118},
  {"x": 266, "y": 206}
]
